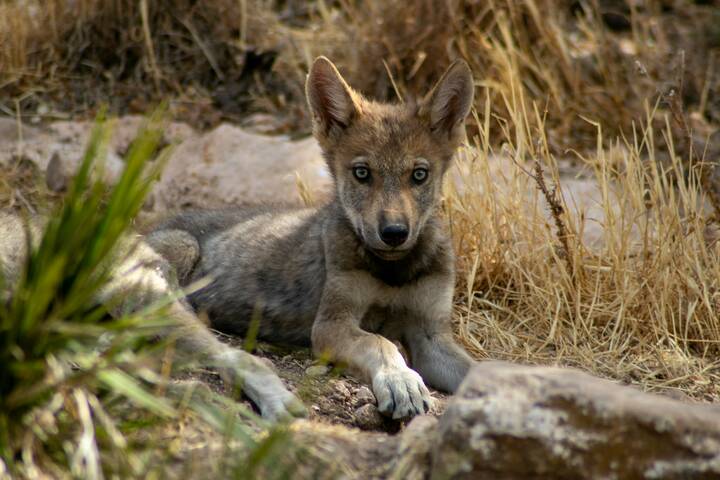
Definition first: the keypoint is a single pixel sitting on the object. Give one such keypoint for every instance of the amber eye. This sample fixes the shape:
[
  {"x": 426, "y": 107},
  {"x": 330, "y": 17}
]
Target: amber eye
[
  {"x": 420, "y": 175},
  {"x": 361, "y": 173}
]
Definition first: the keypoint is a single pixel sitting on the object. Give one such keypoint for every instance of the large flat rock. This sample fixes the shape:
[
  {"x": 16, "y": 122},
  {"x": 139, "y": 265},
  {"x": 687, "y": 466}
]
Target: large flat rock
[
  {"x": 226, "y": 166},
  {"x": 230, "y": 166},
  {"x": 511, "y": 421}
]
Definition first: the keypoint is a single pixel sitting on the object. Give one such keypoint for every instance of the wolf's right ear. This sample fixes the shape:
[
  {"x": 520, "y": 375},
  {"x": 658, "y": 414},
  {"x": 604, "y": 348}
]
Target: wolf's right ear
[{"x": 329, "y": 97}]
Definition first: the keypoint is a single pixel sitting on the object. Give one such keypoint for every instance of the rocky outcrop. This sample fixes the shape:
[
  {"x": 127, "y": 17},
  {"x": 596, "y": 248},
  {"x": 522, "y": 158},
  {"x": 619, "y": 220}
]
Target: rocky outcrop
[
  {"x": 510, "y": 421},
  {"x": 226, "y": 166},
  {"x": 230, "y": 165}
]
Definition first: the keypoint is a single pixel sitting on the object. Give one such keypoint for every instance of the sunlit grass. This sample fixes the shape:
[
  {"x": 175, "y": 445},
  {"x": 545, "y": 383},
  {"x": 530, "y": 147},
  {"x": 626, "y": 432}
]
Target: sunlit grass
[{"x": 641, "y": 305}]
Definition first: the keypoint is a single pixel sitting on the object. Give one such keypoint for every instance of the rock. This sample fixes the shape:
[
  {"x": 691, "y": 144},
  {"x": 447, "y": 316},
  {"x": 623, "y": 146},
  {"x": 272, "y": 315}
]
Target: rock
[
  {"x": 579, "y": 187},
  {"x": 340, "y": 389},
  {"x": 339, "y": 452},
  {"x": 59, "y": 147},
  {"x": 364, "y": 396},
  {"x": 55, "y": 177},
  {"x": 317, "y": 370},
  {"x": 416, "y": 443},
  {"x": 511, "y": 421},
  {"x": 368, "y": 417},
  {"x": 230, "y": 166},
  {"x": 226, "y": 166}
]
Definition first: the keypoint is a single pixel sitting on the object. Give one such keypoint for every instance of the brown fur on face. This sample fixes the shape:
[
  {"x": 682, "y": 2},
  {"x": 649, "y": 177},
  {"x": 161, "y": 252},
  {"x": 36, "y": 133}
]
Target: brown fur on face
[{"x": 391, "y": 143}]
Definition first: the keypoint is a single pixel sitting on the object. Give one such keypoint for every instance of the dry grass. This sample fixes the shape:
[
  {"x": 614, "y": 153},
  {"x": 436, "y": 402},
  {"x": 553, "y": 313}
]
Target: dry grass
[
  {"x": 61, "y": 56},
  {"x": 641, "y": 306},
  {"x": 554, "y": 79}
]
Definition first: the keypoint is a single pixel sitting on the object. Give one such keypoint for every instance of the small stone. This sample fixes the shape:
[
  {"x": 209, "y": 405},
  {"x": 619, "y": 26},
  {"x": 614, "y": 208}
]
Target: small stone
[
  {"x": 341, "y": 390},
  {"x": 364, "y": 396},
  {"x": 368, "y": 417},
  {"x": 55, "y": 176},
  {"x": 317, "y": 370}
]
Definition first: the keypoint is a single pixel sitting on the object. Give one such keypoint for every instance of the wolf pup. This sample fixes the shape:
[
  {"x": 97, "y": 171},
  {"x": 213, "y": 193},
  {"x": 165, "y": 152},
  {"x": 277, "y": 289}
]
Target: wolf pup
[{"x": 373, "y": 266}]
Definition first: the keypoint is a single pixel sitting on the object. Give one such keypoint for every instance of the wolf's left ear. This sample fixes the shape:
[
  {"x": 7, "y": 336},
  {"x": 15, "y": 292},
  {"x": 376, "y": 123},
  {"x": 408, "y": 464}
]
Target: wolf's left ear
[
  {"x": 329, "y": 97},
  {"x": 449, "y": 102}
]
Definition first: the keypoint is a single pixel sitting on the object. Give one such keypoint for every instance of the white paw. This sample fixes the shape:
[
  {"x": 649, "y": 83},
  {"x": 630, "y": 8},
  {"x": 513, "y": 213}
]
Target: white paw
[
  {"x": 401, "y": 393},
  {"x": 282, "y": 407},
  {"x": 275, "y": 402},
  {"x": 256, "y": 378}
]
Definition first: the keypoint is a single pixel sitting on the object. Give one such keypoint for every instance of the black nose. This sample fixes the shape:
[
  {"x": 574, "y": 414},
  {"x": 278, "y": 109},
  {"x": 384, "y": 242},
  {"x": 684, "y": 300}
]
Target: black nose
[{"x": 394, "y": 234}]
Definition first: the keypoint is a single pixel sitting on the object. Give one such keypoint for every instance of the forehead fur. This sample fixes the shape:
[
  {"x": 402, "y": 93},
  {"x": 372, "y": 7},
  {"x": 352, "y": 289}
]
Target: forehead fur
[{"x": 387, "y": 134}]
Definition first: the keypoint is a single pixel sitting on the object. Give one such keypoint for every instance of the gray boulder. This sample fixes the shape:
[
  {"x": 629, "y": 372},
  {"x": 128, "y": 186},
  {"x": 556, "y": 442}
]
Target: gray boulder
[{"x": 511, "y": 421}]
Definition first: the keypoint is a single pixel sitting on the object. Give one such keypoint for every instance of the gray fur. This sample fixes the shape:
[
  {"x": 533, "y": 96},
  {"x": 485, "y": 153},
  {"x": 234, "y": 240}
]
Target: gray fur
[{"x": 324, "y": 277}]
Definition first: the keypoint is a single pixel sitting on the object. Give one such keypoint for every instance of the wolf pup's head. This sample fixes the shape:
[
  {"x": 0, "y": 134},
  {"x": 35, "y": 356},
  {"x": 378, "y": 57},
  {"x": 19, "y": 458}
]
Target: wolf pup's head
[{"x": 388, "y": 160}]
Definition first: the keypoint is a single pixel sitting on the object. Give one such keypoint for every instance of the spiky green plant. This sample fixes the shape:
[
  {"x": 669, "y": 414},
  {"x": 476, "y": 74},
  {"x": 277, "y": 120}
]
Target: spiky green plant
[
  {"x": 78, "y": 388},
  {"x": 52, "y": 372}
]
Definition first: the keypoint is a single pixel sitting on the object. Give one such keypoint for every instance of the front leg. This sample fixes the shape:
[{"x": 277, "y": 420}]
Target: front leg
[
  {"x": 336, "y": 334},
  {"x": 441, "y": 362}
]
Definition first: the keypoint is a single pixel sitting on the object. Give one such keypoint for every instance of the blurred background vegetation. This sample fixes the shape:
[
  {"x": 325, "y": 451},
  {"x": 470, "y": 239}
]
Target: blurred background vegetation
[{"x": 222, "y": 59}]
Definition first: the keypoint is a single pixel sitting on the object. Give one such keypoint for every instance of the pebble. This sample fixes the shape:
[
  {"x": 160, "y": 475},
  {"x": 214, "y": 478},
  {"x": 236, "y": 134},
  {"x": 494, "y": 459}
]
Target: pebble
[
  {"x": 55, "y": 176},
  {"x": 364, "y": 396},
  {"x": 341, "y": 390},
  {"x": 368, "y": 417}
]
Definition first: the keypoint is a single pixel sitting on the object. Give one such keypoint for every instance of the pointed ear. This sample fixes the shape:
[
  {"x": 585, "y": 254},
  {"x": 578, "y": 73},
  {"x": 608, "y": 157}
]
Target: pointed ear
[
  {"x": 449, "y": 102},
  {"x": 329, "y": 97}
]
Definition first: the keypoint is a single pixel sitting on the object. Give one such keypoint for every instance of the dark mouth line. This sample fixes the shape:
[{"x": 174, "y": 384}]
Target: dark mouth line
[{"x": 388, "y": 254}]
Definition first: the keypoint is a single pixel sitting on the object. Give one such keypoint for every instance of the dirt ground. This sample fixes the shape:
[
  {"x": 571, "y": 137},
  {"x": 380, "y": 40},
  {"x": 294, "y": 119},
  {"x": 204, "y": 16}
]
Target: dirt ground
[{"x": 332, "y": 396}]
